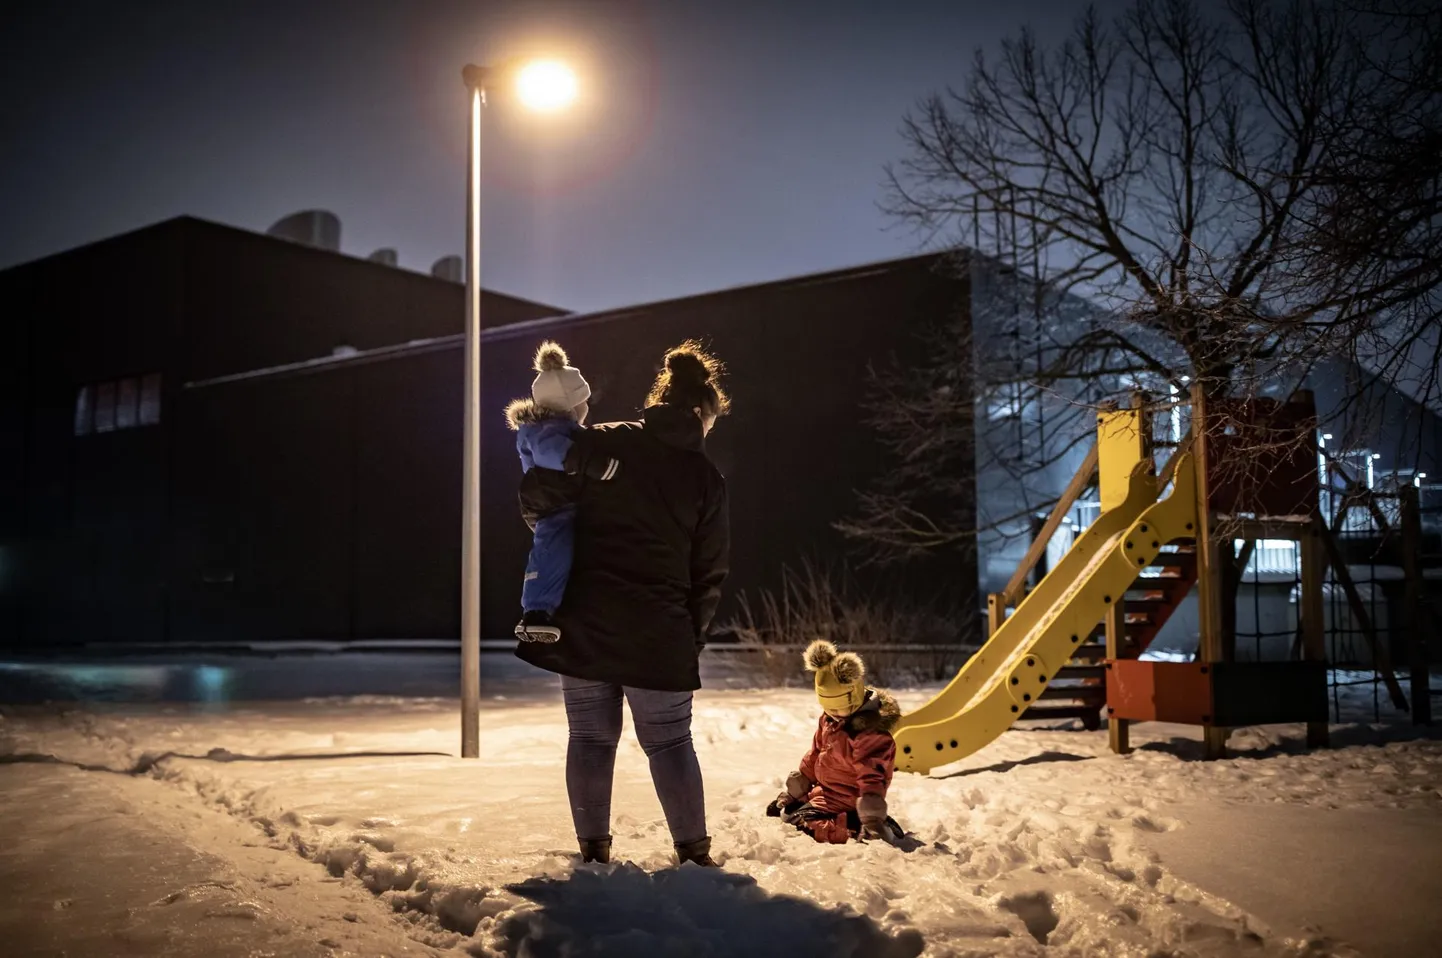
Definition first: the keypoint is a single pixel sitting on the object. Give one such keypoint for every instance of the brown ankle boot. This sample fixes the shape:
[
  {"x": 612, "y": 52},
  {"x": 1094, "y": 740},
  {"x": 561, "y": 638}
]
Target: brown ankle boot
[
  {"x": 596, "y": 850},
  {"x": 698, "y": 851}
]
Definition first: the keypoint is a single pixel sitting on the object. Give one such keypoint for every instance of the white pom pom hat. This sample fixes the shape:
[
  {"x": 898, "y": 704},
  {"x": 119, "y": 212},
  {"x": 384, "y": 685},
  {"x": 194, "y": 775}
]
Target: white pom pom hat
[{"x": 558, "y": 385}]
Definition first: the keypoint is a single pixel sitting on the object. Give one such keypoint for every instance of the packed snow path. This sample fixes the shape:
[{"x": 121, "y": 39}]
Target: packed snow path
[
  {"x": 1041, "y": 844},
  {"x": 125, "y": 867}
]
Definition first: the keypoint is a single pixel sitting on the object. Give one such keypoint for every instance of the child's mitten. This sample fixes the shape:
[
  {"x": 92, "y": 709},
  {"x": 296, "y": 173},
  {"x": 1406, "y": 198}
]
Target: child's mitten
[
  {"x": 871, "y": 809},
  {"x": 798, "y": 786}
]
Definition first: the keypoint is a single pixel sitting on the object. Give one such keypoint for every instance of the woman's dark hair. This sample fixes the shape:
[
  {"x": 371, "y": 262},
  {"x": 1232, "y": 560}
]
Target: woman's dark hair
[{"x": 691, "y": 379}]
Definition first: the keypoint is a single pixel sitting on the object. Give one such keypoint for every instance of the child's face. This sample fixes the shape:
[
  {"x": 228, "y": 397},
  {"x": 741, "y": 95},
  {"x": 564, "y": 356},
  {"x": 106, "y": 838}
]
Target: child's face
[{"x": 841, "y": 713}]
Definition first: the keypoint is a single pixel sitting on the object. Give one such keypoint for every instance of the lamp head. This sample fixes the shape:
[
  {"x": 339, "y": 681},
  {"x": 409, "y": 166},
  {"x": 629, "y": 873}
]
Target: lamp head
[{"x": 546, "y": 85}]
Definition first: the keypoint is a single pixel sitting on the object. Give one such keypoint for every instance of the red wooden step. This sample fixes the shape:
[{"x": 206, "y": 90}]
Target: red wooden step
[
  {"x": 1147, "y": 609},
  {"x": 1135, "y": 627},
  {"x": 1090, "y": 715},
  {"x": 1080, "y": 693},
  {"x": 1082, "y": 671}
]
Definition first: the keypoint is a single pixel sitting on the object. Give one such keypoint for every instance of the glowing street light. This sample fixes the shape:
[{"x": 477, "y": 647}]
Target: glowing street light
[{"x": 545, "y": 86}]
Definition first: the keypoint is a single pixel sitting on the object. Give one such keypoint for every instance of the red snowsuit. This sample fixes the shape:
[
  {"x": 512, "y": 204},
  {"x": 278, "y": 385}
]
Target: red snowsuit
[{"x": 849, "y": 758}]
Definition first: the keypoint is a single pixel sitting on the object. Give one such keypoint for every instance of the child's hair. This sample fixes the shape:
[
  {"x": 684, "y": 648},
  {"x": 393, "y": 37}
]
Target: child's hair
[{"x": 691, "y": 379}]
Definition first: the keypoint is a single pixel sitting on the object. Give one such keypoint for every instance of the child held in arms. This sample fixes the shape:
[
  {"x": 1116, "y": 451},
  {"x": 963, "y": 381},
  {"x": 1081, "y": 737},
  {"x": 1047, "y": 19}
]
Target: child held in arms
[
  {"x": 552, "y": 441},
  {"x": 839, "y": 791}
]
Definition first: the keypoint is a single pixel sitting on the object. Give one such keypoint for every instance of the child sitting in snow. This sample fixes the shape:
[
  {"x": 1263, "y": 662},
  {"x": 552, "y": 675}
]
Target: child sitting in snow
[
  {"x": 551, "y": 439},
  {"x": 839, "y": 792}
]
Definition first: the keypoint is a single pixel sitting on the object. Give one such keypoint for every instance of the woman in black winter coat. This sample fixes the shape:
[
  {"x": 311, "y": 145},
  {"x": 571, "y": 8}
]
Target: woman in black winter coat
[{"x": 651, "y": 552}]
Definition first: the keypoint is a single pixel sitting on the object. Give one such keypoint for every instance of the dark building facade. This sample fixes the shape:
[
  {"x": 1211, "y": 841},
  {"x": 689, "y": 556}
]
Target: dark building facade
[
  {"x": 210, "y": 435},
  {"x": 96, "y": 346}
]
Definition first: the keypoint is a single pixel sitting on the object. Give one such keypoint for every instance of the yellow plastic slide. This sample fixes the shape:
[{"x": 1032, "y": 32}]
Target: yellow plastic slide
[{"x": 1009, "y": 672}]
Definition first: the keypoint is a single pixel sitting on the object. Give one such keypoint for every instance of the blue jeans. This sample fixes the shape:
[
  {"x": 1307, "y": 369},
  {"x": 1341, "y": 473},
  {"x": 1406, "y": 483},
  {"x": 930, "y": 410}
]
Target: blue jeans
[
  {"x": 663, "y": 727},
  {"x": 549, "y": 565}
]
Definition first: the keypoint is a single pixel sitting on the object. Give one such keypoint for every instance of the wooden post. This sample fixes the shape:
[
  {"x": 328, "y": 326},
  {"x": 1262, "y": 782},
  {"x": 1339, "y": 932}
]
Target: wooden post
[
  {"x": 1232, "y": 565},
  {"x": 1210, "y": 647},
  {"x": 1118, "y": 730},
  {"x": 995, "y": 612},
  {"x": 1314, "y": 631},
  {"x": 1412, "y": 607}
]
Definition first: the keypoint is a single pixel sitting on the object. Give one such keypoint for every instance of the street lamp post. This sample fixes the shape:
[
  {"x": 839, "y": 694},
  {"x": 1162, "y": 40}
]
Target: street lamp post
[
  {"x": 542, "y": 85},
  {"x": 475, "y": 78}
]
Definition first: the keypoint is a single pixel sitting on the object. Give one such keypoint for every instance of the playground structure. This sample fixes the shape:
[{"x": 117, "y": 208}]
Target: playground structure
[{"x": 1246, "y": 471}]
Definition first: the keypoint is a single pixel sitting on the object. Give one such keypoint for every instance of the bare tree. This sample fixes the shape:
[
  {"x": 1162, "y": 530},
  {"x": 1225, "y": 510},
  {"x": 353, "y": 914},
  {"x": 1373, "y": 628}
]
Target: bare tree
[
  {"x": 1378, "y": 220},
  {"x": 1180, "y": 167}
]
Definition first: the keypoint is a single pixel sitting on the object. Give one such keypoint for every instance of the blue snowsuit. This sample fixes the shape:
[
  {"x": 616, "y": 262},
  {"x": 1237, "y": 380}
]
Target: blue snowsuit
[{"x": 548, "y": 440}]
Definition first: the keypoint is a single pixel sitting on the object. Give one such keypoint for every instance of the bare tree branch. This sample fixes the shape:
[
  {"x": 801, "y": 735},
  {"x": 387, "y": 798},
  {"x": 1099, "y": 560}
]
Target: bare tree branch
[{"x": 1184, "y": 192}]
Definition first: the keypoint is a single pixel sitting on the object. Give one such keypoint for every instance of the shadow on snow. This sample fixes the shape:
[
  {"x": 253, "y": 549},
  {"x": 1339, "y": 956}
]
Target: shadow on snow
[{"x": 623, "y": 911}]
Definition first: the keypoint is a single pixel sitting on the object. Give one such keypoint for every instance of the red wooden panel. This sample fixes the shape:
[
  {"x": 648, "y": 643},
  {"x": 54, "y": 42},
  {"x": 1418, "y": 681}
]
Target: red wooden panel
[{"x": 1159, "y": 691}]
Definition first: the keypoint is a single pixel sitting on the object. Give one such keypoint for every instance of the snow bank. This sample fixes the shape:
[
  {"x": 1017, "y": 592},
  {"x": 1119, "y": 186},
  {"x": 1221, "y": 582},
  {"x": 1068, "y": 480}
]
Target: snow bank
[{"x": 1034, "y": 846}]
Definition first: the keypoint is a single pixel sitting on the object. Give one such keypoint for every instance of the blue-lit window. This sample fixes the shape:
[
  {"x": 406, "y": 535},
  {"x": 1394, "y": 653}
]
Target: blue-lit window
[
  {"x": 150, "y": 400},
  {"x": 105, "y": 407},
  {"x": 127, "y": 400},
  {"x": 118, "y": 404},
  {"x": 85, "y": 411}
]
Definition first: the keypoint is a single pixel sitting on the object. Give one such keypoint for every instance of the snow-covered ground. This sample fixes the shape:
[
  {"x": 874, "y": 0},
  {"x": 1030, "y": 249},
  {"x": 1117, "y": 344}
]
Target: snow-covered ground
[{"x": 1042, "y": 844}]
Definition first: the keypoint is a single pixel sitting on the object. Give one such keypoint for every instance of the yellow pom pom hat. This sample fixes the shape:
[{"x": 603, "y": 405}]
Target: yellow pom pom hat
[{"x": 840, "y": 677}]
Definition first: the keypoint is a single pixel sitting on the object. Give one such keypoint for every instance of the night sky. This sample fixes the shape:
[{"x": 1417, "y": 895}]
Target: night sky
[{"x": 717, "y": 143}]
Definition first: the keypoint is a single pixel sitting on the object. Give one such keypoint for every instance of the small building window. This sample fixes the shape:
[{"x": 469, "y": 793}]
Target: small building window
[
  {"x": 126, "y": 398},
  {"x": 150, "y": 400},
  {"x": 119, "y": 404},
  {"x": 105, "y": 407},
  {"x": 84, "y": 411}
]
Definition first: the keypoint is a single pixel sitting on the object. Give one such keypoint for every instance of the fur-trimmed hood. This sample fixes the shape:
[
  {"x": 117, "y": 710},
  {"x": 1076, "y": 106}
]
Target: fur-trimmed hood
[
  {"x": 879, "y": 713},
  {"x": 526, "y": 412}
]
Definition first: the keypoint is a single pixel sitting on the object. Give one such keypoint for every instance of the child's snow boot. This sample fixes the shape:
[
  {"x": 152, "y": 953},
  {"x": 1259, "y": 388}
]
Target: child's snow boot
[
  {"x": 596, "y": 850},
  {"x": 698, "y": 851},
  {"x": 538, "y": 626}
]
